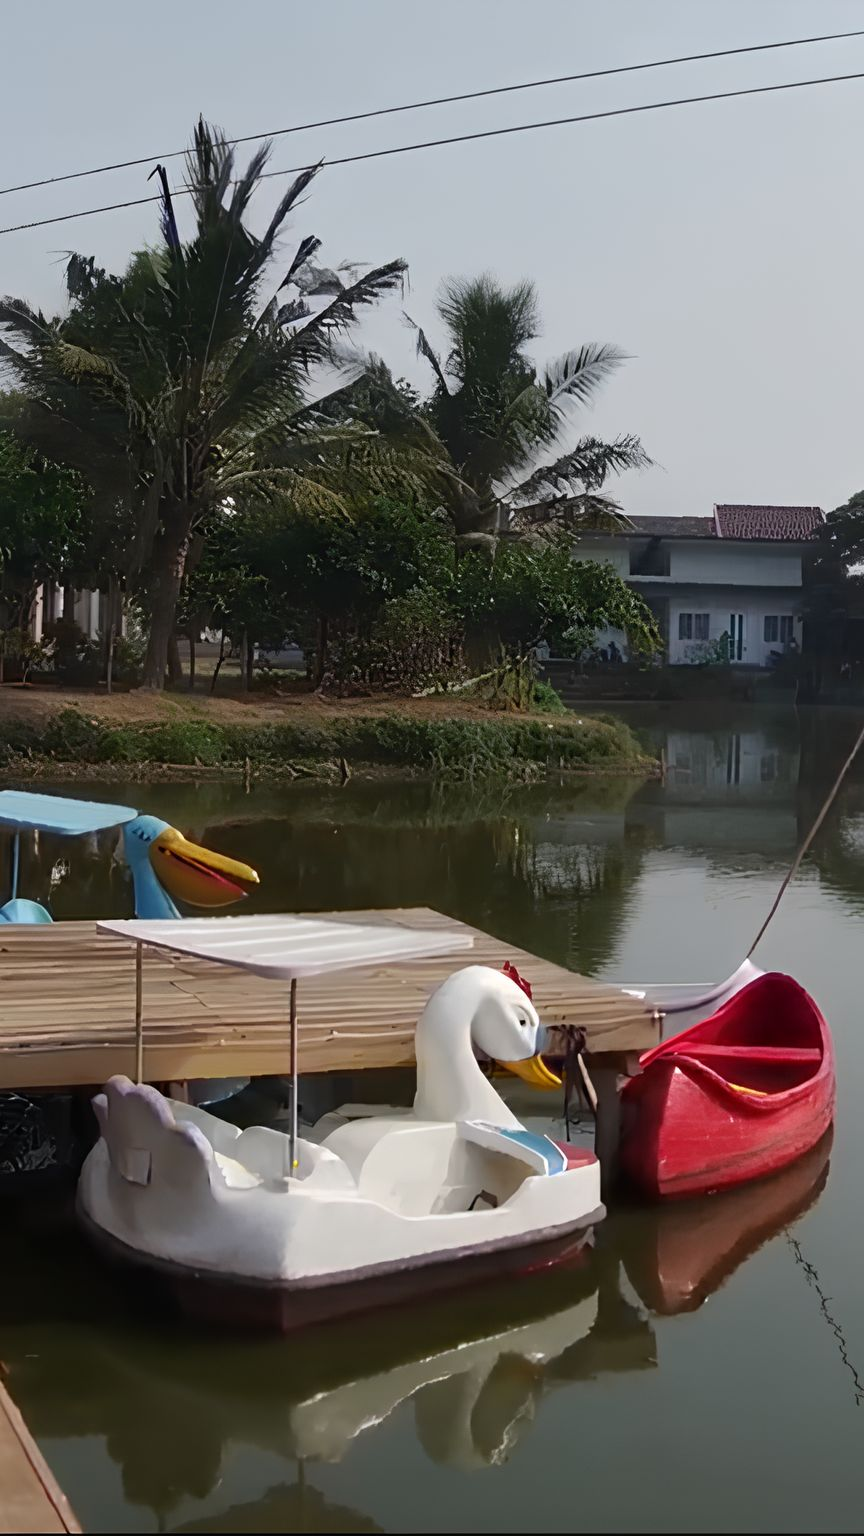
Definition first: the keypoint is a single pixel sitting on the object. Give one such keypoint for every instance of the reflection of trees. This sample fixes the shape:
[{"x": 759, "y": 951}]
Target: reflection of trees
[
  {"x": 838, "y": 852},
  {"x": 584, "y": 893},
  {"x": 567, "y": 903},
  {"x": 471, "y": 850}
]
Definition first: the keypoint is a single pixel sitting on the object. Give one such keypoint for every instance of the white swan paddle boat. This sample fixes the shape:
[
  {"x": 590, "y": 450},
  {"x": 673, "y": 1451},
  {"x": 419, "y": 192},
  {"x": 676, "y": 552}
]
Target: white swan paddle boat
[{"x": 263, "y": 1227}]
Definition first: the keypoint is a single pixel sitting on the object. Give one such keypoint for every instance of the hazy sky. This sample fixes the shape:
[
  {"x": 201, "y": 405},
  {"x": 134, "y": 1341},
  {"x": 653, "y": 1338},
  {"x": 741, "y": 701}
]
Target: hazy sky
[{"x": 722, "y": 245}]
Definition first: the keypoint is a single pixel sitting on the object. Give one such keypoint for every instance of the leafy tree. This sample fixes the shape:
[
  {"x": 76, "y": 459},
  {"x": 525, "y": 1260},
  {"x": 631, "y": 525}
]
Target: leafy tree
[
  {"x": 535, "y": 591},
  {"x": 185, "y": 381},
  {"x": 834, "y": 593},
  {"x": 43, "y": 525},
  {"x": 492, "y": 413}
]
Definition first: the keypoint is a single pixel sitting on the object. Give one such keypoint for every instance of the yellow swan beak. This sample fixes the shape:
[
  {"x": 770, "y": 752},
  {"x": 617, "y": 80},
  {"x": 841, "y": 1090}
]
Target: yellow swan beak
[
  {"x": 534, "y": 1071},
  {"x": 197, "y": 876}
]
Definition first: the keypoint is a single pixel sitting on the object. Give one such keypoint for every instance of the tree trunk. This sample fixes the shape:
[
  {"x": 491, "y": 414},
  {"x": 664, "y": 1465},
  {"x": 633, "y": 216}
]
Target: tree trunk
[
  {"x": 169, "y": 563},
  {"x": 109, "y": 659},
  {"x": 249, "y": 660},
  {"x": 321, "y": 650},
  {"x": 191, "y": 661},
  {"x": 245, "y": 662},
  {"x": 175, "y": 665},
  {"x": 219, "y": 661}
]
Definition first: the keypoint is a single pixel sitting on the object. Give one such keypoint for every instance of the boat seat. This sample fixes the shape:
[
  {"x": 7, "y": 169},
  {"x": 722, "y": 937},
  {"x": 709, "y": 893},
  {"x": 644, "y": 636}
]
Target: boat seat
[
  {"x": 236, "y": 1176},
  {"x": 767, "y": 1053}
]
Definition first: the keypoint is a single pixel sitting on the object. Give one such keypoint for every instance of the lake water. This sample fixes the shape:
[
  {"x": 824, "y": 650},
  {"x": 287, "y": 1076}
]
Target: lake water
[{"x": 697, "y": 1372}]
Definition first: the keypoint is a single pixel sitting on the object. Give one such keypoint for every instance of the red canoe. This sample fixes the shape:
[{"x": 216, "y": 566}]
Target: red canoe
[{"x": 734, "y": 1098}]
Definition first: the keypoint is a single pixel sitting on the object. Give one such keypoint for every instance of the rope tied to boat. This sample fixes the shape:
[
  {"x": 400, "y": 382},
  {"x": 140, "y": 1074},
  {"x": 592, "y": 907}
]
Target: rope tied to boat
[
  {"x": 799, "y": 857},
  {"x": 574, "y": 1074}
]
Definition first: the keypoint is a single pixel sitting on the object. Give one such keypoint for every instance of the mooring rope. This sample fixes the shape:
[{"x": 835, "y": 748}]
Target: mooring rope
[{"x": 796, "y": 862}]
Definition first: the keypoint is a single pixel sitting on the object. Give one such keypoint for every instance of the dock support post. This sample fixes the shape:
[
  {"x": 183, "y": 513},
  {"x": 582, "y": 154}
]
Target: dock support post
[
  {"x": 607, "y": 1125},
  {"x": 139, "y": 1016},
  {"x": 608, "y": 1070},
  {"x": 292, "y": 1137}
]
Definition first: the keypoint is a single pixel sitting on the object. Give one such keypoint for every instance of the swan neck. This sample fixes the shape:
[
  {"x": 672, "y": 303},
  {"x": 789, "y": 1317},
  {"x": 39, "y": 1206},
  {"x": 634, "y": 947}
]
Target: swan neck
[{"x": 450, "y": 1084}]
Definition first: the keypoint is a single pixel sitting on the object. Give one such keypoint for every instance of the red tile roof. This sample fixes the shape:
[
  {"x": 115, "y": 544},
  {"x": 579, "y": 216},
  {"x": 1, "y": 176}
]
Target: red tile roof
[{"x": 743, "y": 521}]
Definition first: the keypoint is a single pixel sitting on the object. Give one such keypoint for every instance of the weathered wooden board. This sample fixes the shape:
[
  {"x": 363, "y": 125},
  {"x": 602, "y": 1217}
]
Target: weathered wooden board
[
  {"x": 30, "y": 1499},
  {"x": 67, "y": 1004}
]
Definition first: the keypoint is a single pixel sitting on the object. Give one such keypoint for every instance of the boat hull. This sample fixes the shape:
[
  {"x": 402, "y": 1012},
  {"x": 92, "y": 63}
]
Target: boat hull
[
  {"x": 688, "y": 1130},
  {"x": 284, "y": 1305}
]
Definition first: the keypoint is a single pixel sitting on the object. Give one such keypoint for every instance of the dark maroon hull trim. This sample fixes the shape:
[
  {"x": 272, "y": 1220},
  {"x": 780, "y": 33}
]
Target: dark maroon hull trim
[{"x": 242, "y": 1303}]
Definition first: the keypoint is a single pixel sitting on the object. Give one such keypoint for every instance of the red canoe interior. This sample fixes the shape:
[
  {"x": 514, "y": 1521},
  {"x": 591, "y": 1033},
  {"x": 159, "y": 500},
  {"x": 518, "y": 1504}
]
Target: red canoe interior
[{"x": 768, "y": 1038}]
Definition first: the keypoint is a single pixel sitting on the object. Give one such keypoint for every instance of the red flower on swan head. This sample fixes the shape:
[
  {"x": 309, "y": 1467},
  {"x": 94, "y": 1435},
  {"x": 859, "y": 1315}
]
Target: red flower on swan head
[{"x": 511, "y": 971}]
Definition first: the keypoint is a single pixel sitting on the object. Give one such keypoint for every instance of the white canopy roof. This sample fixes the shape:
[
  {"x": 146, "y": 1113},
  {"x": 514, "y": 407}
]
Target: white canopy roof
[{"x": 286, "y": 947}]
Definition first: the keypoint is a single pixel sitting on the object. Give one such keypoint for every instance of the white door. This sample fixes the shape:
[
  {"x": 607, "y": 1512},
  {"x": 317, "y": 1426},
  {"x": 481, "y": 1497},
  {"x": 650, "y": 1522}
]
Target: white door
[{"x": 737, "y": 646}]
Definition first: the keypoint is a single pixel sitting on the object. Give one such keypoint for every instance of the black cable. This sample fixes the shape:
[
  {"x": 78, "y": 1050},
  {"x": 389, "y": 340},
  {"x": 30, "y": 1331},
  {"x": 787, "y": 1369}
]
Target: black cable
[
  {"x": 466, "y": 138},
  {"x": 441, "y": 101}
]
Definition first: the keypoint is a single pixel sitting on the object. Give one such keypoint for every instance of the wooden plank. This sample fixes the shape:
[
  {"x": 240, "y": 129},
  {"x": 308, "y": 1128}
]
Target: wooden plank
[
  {"x": 30, "y": 1498},
  {"x": 67, "y": 1008}
]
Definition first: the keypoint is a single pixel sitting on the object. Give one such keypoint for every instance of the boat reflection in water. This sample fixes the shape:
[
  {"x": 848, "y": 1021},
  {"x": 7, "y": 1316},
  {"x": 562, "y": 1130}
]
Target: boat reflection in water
[
  {"x": 175, "y": 1412},
  {"x": 675, "y": 1255}
]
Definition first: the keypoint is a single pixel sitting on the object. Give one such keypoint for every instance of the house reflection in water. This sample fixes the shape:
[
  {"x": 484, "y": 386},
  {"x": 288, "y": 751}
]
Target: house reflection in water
[{"x": 732, "y": 788}]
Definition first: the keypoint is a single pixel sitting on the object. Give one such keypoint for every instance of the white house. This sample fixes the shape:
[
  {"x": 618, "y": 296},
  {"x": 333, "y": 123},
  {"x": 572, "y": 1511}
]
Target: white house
[
  {"x": 732, "y": 581},
  {"x": 89, "y": 609}
]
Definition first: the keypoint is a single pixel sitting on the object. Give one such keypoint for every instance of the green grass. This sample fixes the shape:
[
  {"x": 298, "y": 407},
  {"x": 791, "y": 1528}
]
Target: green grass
[{"x": 513, "y": 747}]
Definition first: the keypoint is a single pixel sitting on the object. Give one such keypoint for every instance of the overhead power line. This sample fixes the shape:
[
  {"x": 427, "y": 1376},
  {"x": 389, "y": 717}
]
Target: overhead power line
[
  {"x": 466, "y": 138},
  {"x": 441, "y": 101}
]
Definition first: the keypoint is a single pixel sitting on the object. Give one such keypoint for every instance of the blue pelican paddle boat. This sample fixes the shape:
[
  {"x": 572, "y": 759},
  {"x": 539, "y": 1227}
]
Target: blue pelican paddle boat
[
  {"x": 37, "y": 1131},
  {"x": 164, "y": 864}
]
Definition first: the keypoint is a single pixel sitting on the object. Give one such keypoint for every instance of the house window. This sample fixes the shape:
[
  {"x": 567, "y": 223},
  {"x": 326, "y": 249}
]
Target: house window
[
  {"x": 694, "y": 626},
  {"x": 779, "y": 627},
  {"x": 651, "y": 559}
]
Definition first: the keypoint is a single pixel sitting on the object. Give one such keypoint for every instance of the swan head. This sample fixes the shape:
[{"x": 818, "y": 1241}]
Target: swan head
[
  {"x": 186, "y": 871},
  {"x": 506, "y": 1027}
]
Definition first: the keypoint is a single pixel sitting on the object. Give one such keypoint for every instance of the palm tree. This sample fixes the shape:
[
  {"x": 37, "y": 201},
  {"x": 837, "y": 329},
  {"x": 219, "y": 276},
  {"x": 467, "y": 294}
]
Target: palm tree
[
  {"x": 186, "y": 381},
  {"x": 493, "y": 414}
]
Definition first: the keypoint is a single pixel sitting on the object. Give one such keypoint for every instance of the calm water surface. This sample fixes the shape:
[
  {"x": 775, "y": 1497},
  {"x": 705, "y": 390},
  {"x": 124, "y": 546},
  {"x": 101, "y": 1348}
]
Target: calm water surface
[{"x": 698, "y": 1372}]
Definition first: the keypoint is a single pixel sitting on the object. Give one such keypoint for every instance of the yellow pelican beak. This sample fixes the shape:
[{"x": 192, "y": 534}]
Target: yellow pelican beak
[
  {"x": 533, "y": 1070},
  {"x": 197, "y": 876}
]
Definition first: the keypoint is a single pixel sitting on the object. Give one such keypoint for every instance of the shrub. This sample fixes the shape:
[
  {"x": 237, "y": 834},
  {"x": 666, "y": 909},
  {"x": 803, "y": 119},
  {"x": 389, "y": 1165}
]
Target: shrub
[{"x": 74, "y": 657}]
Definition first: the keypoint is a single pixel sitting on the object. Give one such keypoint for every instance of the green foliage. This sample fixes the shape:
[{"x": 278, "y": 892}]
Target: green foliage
[
  {"x": 127, "y": 660},
  {"x": 186, "y": 380},
  {"x": 42, "y": 524},
  {"x": 458, "y": 747},
  {"x": 492, "y": 412},
  {"x": 834, "y": 592},
  {"x": 547, "y": 700},
  {"x": 535, "y": 591},
  {"x": 75, "y": 660}
]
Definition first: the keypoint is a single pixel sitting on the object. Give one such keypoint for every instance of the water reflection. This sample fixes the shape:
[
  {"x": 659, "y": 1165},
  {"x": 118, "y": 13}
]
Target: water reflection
[
  {"x": 287, "y": 1507},
  {"x": 174, "y": 1406},
  {"x": 556, "y": 868},
  {"x": 205, "y": 1432}
]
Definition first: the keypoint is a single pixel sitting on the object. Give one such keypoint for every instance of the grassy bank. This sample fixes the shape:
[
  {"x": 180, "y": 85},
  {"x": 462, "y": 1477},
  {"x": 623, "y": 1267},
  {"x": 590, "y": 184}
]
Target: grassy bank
[{"x": 140, "y": 736}]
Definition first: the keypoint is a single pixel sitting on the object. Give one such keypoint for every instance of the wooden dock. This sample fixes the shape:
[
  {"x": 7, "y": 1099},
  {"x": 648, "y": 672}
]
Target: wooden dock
[
  {"x": 30, "y": 1499},
  {"x": 67, "y": 1008}
]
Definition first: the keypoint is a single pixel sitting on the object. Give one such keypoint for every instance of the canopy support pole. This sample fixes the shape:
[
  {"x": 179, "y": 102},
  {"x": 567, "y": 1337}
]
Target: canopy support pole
[
  {"x": 16, "y": 862},
  {"x": 292, "y": 1136},
  {"x": 139, "y": 1015}
]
